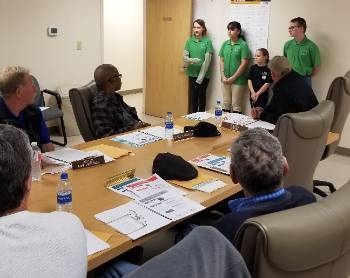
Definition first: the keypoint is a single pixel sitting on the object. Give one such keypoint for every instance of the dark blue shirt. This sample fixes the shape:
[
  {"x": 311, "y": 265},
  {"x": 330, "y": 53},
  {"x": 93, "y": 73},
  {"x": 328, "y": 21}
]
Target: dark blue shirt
[
  {"x": 38, "y": 127},
  {"x": 294, "y": 196}
]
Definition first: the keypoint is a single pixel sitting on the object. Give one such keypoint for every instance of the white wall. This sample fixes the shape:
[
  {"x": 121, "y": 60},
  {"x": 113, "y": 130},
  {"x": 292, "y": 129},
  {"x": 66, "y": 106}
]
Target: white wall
[
  {"x": 53, "y": 60},
  {"x": 328, "y": 24},
  {"x": 123, "y": 39}
]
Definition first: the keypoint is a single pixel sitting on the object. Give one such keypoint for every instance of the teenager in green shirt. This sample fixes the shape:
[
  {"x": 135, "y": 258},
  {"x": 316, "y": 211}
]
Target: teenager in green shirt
[
  {"x": 302, "y": 53},
  {"x": 197, "y": 56},
  {"x": 234, "y": 59}
]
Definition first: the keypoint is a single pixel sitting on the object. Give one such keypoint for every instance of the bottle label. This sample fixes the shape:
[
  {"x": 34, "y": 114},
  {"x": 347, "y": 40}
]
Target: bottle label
[
  {"x": 169, "y": 125},
  {"x": 218, "y": 112},
  {"x": 64, "y": 197}
]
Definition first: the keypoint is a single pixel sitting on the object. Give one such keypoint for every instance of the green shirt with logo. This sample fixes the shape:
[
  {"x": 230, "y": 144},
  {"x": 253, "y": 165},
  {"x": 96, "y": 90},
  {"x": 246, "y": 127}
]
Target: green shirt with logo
[
  {"x": 233, "y": 54},
  {"x": 197, "y": 48},
  {"x": 303, "y": 56}
]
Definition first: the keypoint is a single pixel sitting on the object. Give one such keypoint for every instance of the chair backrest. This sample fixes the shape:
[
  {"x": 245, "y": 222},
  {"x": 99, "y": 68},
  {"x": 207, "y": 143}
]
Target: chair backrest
[
  {"x": 39, "y": 98},
  {"x": 81, "y": 99},
  {"x": 303, "y": 137},
  {"x": 309, "y": 241},
  {"x": 339, "y": 93}
]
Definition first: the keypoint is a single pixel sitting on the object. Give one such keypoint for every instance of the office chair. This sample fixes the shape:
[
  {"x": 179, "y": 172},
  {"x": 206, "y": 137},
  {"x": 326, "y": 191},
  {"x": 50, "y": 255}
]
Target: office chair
[
  {"x": 80, "y": 99},
  {"x": 304, "y": 242},
  {"x": 303, "y": 137},
  {"x": 50, "y": 113},
  {"x": 339, "y": 93}
]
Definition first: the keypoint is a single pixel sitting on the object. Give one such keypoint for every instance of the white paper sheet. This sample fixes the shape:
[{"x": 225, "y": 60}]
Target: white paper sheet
[
  {"x": 261, "y": 124},
  {"x": 94, "y": 244},
  {"x": 210, "y": 186},
  {"x": 133, "y": 220},
  {"x": 67, "y": 155},
  {"x": 213, "y": 162},
  {"x": 136, "y": 139},
  {"x": 238, "y": 119},
  {"x": 158, "y": 131},
  {"x": 199, "y": 116}
]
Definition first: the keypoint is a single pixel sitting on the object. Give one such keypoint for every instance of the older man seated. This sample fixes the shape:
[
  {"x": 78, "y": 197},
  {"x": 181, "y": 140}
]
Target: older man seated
[
  {"x": 16, "y": 105},
  {"x": 110, "y": 114},
  {"x": 33, "y": 244},
  {"x": 291, "y": 94},
  {"x": 258, "y": 165}
]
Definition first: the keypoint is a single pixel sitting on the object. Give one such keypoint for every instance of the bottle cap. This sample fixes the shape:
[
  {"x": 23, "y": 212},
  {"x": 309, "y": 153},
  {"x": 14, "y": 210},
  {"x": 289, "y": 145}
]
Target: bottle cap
[{"x": 64, "y": 176}]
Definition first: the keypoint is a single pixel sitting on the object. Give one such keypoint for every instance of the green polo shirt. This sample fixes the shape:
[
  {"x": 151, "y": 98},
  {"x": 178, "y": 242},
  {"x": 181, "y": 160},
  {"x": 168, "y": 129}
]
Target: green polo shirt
[
  {"x": 197, "y": 49},
  {"x": 233, "y": 54},
  {"x": 303, "y": 56}
]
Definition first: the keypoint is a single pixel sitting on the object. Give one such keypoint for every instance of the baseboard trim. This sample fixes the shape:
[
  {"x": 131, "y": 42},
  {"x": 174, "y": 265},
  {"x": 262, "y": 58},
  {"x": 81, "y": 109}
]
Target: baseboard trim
[
  {"x": 343, "y": 151},
  {"x": 130, "y": 92}
]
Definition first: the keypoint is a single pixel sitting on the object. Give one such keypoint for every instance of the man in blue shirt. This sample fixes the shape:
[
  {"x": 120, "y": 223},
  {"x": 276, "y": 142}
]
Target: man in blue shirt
[
  {"x": 16, "y": 106},
  {"x": 258, "y": 165}
]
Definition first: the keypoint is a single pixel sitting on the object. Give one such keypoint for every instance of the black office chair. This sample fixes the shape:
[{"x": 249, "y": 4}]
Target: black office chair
[{"x": 51, "y": 113}]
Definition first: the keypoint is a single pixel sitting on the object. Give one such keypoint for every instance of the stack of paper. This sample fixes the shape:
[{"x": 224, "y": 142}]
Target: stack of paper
[
  {"x": 136, "y": 139},
  {"x": 249, "y": 122},
  {"x": 94, "y": 244},
  {"x": 108, "y": 150},
  {"x": 158, "y": 131},
  {"x": 199, "y": 116},
  {"x": 213, "y": 162},
  {"x": 156, "y": 204}
]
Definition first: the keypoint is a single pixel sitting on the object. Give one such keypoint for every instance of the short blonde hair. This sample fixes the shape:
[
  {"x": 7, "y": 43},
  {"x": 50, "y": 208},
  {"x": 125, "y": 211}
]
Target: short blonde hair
[
  {"x": 10, "y": 78},
  {"x": 280, "y": 64}
]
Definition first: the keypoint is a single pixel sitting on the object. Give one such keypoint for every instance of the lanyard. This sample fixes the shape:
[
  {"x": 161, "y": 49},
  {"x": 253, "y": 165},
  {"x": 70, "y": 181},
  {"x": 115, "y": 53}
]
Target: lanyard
[{"x": 238, "y": 204}]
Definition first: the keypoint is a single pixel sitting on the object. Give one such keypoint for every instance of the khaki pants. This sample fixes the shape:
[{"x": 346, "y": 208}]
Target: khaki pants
[{"x": 233, "y": 97}]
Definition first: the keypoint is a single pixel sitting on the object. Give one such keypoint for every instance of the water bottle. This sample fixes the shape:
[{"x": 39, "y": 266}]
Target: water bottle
[
  {"x": 218, "y": 113},
  {"x": 64, "y": 193},
  {"x": 169, "y": 126},
  {"x": 36, "y": 162}
]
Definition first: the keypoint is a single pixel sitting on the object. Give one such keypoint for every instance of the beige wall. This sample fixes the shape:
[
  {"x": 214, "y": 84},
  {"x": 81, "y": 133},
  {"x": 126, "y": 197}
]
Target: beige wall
[
  {"x": 328, "y": 25},
  {"x": 53, "y": 60},
  {"x": 123, "y": 39}
]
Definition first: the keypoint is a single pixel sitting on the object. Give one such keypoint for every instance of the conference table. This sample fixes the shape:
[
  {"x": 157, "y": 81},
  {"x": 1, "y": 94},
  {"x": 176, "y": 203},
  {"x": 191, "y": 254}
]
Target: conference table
[{"x": 91, "y": 196}]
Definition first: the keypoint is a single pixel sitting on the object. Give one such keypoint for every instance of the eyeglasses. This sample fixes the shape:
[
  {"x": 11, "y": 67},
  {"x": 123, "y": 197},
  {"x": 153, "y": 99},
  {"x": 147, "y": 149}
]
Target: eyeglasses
[
  {"x": 293, "y": 27},
  {"x": 116, "y": 76}
]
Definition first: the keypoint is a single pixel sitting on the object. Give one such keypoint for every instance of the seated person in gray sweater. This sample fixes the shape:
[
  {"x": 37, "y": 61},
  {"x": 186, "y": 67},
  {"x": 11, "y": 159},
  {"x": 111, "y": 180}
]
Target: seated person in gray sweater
[
  {"x": 110, "y": 114},
  {"x": 33, "y": 244},
  {"x": 258, "y": 165}
]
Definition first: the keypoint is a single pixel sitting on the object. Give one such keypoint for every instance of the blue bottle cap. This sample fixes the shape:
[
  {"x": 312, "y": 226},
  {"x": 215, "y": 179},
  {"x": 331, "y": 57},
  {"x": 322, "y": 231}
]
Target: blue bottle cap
[{"x": 64, "y": 176}]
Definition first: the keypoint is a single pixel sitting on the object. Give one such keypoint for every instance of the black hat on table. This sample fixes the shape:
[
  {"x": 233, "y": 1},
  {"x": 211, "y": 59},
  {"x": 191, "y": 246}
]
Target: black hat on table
[
  {"x": 173, "y": 167},
  {"x": 203, "y": 129}
]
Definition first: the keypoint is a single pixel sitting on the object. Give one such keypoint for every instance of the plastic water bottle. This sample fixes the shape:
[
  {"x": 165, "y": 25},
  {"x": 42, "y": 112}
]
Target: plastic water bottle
[
  {"x": 218, "y": 113},
  {"x": 169, "y": 126},
  {"x": 36, "y": 162},
  {"x": 64, "y": 193}
]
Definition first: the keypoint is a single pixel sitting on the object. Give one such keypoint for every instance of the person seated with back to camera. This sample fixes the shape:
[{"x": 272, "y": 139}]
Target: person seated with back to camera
[
  {"x": 33, "y": 244},
  {"x": 110, "y": 114},
  {"x": 291, "y": 94},
  {"x": 258, "y": 165},
  {"x": 18, "y": 93}
]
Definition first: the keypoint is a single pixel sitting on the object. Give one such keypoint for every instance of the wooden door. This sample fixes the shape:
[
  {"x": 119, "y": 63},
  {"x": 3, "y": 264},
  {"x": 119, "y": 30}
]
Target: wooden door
[{"x": 168, "y": 26}]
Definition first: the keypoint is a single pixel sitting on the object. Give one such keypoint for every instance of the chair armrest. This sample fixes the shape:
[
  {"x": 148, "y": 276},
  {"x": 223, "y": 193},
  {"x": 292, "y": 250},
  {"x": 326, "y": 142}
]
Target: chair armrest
[{"x": 56, "y": 95}]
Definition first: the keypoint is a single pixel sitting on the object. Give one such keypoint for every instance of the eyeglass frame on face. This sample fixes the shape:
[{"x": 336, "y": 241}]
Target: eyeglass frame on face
[{"x": 119, "y": 75}]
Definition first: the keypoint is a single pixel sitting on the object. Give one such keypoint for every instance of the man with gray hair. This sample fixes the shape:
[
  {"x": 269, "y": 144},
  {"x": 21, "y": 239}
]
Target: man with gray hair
[
  {"x": 258, "y": 165},
  {"x": 291, "y": 94},
  {"x": 33, "y": 244},
  {"x": 16, "y": 105}
]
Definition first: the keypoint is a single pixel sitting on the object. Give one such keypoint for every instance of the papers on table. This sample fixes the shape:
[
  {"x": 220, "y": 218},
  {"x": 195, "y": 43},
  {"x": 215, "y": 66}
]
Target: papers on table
[
  {"x": 203, "y": 182},
  {"x": 61, "y": 159},
  {"x": 136, "y": 139},
  {"x": 110, "y": 151},
  {"x": 94, "y": 244},
  {"x": 213, "y": 162},
  {"x": 158, "y": 131},
  {"x": 199, "y": 116},
  {"x": 156, "y": 204},
  {"x": 249, "y": 122}
]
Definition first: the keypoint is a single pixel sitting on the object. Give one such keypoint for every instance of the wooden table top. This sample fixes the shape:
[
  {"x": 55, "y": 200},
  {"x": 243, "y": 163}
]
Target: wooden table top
[{"x": 90, "y": 195}]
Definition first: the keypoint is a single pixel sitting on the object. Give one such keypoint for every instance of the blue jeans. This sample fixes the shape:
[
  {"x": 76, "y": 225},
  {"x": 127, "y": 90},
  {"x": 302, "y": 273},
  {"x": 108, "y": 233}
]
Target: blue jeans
[
  {"x": 307, "y": 79},
  {"x": 117, "y": 269}
]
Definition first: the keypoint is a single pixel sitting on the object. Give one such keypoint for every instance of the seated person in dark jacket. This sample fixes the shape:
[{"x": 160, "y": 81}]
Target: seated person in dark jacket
[
  {"x": 258, "y": 165},
  {"x": 16, "y": 106},
  {"x": 110, "y": 114},
  {"x": 291, "y": 94}
]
